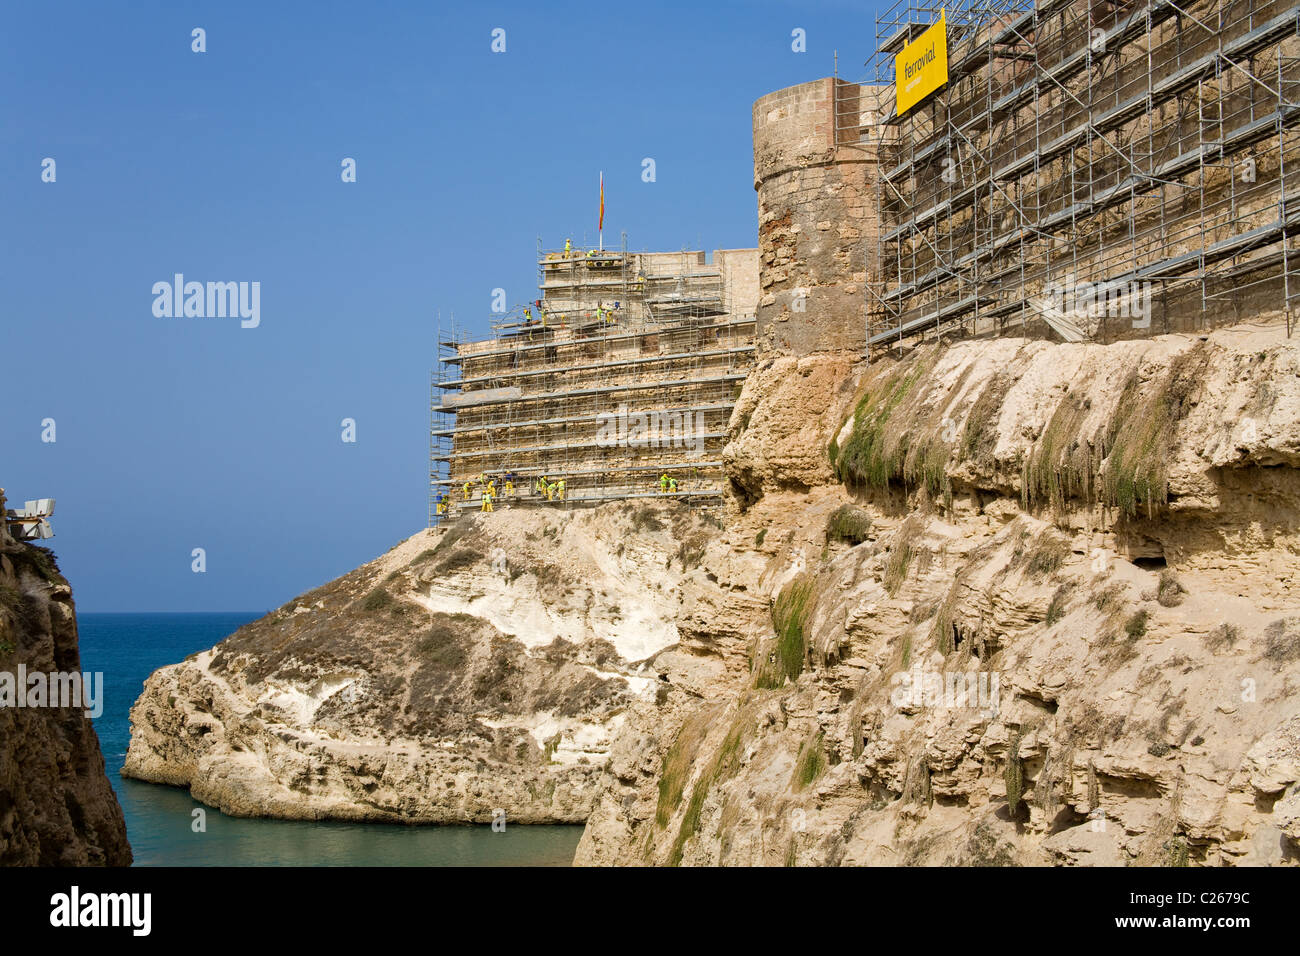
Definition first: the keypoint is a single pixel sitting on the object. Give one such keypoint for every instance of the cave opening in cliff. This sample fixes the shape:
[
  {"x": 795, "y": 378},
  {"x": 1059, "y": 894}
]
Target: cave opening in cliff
[{"x": 1151, "y": 563}]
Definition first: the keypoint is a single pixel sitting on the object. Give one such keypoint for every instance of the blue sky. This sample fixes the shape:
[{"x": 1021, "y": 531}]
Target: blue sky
[{"x": 174, "y": 434}]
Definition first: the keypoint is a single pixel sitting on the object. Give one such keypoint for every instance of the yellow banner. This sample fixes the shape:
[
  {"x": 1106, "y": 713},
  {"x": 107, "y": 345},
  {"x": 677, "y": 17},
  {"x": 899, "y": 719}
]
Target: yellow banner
[{"x": 922, "y": 67}]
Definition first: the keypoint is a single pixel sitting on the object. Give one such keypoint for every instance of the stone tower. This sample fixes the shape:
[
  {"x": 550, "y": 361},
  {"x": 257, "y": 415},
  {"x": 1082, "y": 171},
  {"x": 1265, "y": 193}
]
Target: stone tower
[{"x": 816, "y": 215}]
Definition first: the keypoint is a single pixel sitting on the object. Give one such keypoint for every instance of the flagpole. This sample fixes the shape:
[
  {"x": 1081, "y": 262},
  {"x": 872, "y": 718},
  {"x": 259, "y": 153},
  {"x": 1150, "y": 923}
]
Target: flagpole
[{"x": 600, "y": 230}]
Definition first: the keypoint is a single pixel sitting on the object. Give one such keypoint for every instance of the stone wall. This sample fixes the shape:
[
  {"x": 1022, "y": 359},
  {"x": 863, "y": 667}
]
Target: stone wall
[{"x": 739, "y": 268}]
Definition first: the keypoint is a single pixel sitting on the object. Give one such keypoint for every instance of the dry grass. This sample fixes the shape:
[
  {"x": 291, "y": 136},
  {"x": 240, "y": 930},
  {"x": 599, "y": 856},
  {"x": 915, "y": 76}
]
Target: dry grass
[
  {"x": 1224, "y": 637},
  {"x": 810, "y": 764},
  {"x": 902, "y": 549},
  {"x": 1170, "y": 591},
  {"x": 1282, "y": 640}
]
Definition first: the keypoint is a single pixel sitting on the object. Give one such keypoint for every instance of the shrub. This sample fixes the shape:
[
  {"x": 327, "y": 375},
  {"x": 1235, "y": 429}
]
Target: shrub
[
  {"x": 1170, "y": 590},
  {"x": 758, "y": 538},
  {"x": 40, "y": 561},
  {"x": 1282, "y": 640},
  {"x": 1109, "y": 599},
  {"x": 1224, "y": 636},
  {"x": 377, "y": 600},
  {"x": 456, "y": 560},
  {"x": 441, "y": 647},
  {"x": 849, "y": 524},
  {"x": 1136, "y": 625}
]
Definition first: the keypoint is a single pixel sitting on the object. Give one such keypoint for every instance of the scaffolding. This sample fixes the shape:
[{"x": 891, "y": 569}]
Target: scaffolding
[
  {"x": 626, "y": 369},
  {"x": 448, "y": 338},
  {"x": 1116, "y": 149}
]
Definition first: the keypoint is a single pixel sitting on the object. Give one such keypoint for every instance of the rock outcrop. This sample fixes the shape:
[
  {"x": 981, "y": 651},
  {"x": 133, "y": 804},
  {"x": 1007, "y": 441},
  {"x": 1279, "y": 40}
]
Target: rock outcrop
[
  {"x": 1035, "y": 605},
  {"x": 57, "y": 807},
  {"x": 1000, "y": 602},
  {"x": 478, "y": 668}
]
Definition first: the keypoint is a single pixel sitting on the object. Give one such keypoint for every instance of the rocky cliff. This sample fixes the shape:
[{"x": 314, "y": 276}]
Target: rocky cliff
[
  {"x": 56, "y": 805},
  {"x": 1029, "y": 604},
  {"x": 994, "y": 602},
  {"x": 486, "y": 666}
]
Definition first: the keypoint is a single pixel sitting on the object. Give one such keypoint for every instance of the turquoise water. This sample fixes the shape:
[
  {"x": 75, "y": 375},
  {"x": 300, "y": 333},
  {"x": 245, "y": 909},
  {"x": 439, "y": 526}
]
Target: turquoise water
[{"x": 127, "y": 648}]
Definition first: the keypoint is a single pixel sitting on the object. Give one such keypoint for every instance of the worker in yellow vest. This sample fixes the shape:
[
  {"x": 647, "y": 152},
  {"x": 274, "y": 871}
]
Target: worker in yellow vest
[
  {"x": 487, "y": 500},
  {"x": 560, "y": 489},
  {"x": 663, "y": 483},
  {"x": 568, "y": 247},
  {"x": 465, "y": 489}
]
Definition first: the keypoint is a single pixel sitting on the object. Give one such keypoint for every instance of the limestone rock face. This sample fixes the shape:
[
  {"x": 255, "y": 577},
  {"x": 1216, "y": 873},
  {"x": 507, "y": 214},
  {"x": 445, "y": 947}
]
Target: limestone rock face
[
  {"x": 487, "y": 666},
  {"x": 1071, "y": 636},
  {"x": 993, "y": 603},
  {"x": 57, "y": 807},
  {"x": 788, "y": 412}
]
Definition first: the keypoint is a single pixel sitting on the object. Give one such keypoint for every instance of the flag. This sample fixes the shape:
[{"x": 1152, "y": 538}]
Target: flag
[{"x": 602, "y": 200}]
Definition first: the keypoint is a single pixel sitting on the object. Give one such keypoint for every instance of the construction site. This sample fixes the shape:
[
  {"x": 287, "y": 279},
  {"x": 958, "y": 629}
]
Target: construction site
[
  {"x": 1088, "y": 170},
  {"x": 1075, "y": 170},
  {"x": 616, "y": 383}
]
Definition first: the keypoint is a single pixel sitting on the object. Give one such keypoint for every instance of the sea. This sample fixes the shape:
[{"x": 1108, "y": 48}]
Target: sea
[{"x": 161, "y": 820}]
